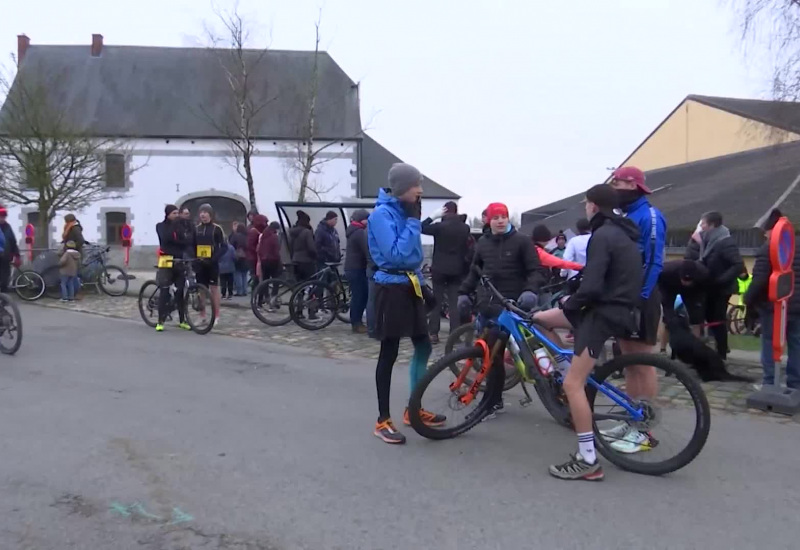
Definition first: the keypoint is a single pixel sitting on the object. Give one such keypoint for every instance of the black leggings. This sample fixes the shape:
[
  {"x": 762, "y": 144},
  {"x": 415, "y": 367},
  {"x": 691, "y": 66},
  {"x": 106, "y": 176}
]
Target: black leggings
[
  {"x": 176, "y": 276},
  {"x": 386, "y": 360}
]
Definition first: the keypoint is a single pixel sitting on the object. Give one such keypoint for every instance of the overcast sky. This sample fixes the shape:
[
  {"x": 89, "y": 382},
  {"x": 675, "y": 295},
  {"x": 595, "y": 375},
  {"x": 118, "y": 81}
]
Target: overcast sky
[{"x": 521, "y": 101}]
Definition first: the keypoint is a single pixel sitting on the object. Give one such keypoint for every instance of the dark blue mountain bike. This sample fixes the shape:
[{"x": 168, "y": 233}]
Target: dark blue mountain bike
[{"x": 629, "y": 432}]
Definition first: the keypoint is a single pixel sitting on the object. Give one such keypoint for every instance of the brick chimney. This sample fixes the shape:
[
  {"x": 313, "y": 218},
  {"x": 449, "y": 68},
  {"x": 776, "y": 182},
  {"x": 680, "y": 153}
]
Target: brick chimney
[
  {"x": 97, "y": 45},
  {"x": 22, "y": 47}
]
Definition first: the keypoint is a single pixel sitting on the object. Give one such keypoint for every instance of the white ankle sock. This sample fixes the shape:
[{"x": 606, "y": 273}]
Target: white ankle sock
[{"x": 586, "y": 447}]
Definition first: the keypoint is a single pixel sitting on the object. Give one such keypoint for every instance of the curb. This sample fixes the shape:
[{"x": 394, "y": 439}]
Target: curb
[{"x": 223, "y": 304}]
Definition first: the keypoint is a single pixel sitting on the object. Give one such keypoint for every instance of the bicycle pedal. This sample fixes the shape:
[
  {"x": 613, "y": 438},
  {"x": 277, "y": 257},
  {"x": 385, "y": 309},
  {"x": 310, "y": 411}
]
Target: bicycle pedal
[{"x": 525, "y": 402}]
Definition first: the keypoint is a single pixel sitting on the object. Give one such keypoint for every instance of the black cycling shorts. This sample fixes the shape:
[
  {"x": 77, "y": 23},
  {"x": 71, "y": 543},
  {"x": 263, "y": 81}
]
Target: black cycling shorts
[
  {"x": 593, "y": 330},
  {"x": 207, "y": 273}
]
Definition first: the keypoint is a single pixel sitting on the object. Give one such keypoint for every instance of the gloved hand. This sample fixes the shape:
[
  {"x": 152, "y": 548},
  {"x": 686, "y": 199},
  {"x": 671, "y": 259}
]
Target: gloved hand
[
  {"x": 413, "y": 209},
  {"x": 17, "y": 261},
  {"x": 527, "y": 300},
  {"x": 439, "y": 214},
  {"x": 464, "y": 306}
]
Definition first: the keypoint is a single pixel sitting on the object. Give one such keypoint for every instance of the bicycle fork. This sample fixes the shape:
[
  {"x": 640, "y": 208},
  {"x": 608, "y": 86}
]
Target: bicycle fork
[{"x": 488, "y": 360}]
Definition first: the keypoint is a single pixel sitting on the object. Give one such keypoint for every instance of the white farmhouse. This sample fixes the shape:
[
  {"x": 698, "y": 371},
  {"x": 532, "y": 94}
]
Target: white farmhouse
[{"x": 167, "y": 106}]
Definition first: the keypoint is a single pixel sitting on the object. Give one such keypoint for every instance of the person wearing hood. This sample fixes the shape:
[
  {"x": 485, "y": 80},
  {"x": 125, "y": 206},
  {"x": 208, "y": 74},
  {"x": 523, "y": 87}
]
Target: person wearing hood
[
  {"x": 304, "y": 250},
  {"x": 257, "y": 226},
  {"x": 210, "y": 246},
  {"x": 172, "y": 244},
  {"x": 720, "y": 254},
  {"x": 602, "y": 308},
  {"x": 757, "y": 298},
  {"x": 451, "y": 240},
  {"x": 641, "y": 381},
  {"x": 241, "y": 265},
  {"x": 507, "y": 257},
  {"x": 269, "y": 254},
  {"x": 356, "y": 259},
  {"x": 73, "y": 232},
  {"x": 394, "y": 234}
]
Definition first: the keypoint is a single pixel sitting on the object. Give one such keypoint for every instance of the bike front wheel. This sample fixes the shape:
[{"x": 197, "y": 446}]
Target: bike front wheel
[
  {"x": 29, "y": 286},
  {"x": 674, "y": 425},
  {"x": 198, "y": 309},
  {"x": 313, "y": 305},
  {"x": 113, "y": 280},
  {"x": 10, "y": 326},
  {"x": 270, "y": 302},
  {"x": 439, "y": 393},
  {"x": 148, "y": 303}
]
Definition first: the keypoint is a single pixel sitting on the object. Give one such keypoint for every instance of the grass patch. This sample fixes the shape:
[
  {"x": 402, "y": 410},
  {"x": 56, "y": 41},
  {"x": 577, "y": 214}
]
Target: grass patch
[{"x": 744, "y": 342}]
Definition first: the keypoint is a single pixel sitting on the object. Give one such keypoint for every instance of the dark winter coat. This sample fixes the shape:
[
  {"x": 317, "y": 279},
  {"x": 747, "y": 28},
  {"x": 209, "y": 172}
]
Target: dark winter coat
[
  {"x": 11, "y": 249},
  {"x": 269, "y": 248},
  {"x": 757, "y": 294},
  {"x": 511, "y": 263},
  {"x": 725, "y": 264},
  {"x": 239, "y": 241},
  {"x": 75, "y": 234},
  {"x": 670, "y": 286},
  {"x": 357, "y": 253},
  {"x": 303, "y": 248},
  {"x": 171, "y": 238},
  {"x": 253, "y": 233},
  {"x": 451, "y": 238},
  {"x": 211, "y": 234},
  {"x": 326, "y": 239},
  {"x": 613, "y": 272}
]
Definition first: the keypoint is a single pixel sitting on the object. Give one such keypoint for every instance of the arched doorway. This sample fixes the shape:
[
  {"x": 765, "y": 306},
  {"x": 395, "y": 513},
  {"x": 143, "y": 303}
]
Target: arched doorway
[{"x": 226, "y": 210}]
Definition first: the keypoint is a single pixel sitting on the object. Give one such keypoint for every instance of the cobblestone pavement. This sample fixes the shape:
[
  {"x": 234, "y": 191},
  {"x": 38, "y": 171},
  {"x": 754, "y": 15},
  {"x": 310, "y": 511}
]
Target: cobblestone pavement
[{"x": 338, "y": 342}]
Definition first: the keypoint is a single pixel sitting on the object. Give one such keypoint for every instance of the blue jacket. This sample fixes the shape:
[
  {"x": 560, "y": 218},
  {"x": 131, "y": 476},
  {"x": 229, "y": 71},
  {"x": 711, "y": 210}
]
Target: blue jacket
[
  {"x": 395, "y": 241},
  {"x": 227, "y": 262},
  {"x": 652, "y": 256}
]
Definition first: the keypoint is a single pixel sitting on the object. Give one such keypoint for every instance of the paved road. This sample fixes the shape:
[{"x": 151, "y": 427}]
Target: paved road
[{"x": 113, "y": 437}]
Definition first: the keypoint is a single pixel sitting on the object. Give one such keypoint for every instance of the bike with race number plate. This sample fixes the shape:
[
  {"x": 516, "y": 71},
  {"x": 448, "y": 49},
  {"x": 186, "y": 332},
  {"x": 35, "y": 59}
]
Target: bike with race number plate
[
  {"x": 10, "y": 326},
  {"x": 198, "y": 309},
  {"x": 683, "y": 407}
]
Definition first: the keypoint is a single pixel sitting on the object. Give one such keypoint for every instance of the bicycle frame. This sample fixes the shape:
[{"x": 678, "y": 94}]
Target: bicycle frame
[{"x": 515, "y": 326}]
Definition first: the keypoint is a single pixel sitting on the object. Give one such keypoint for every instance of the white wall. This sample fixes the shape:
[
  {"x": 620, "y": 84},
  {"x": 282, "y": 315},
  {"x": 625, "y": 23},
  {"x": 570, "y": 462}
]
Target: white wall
[{"x": 169, "y": 170}]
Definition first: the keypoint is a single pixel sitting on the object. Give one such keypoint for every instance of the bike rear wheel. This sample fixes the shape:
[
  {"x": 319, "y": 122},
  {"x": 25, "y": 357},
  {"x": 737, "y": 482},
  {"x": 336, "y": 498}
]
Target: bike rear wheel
[
  {"x": 736, "y": 323},
  {"x": 343, "y": 311},
  {"x": 434, "y": 394},
  {"x": 148, "y": 303},
  {"x": 270, "y": 302},
  {"x": 10, "y": 326},
  {"x": 643, "y": 446},
  {"x": 313, "y": 305},
  {"x": 29, "y": 286},
  {"x": 464, "y": 337},
  {"x": 113, "y": 280},
  {"x": 199, "y": 309}
]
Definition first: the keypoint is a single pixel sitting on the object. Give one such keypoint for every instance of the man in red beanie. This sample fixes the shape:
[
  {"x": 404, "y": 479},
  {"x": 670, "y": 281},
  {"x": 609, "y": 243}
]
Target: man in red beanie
[{"x": 508, "y": 258}]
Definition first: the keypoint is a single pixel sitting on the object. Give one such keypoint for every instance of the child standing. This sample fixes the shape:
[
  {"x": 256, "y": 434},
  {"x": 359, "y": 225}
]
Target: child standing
[
  {"x": 227, "y": 265},
  {"x": 68, "y": 265}
]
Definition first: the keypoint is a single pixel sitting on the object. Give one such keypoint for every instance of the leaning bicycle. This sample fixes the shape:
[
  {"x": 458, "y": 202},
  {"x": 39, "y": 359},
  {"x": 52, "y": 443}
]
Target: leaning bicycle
[
  {"x": 10, "y": 326},
  {"x": 615, "y": 414},
  {"x": 28, "y": 284},
  {"x": 95, "y": 270},
  {"x": 198, "y": 310}
]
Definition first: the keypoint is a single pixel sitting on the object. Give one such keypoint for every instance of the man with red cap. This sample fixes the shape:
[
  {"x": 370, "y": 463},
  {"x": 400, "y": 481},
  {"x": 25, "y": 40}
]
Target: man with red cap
[
  {"x": 509, "y": 259},
  {"x": 10, "y": 250},
  {"x": 642, "y": 382}
]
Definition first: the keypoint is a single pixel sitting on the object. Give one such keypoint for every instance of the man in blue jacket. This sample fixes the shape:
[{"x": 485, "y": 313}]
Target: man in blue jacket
[
  {"x": 641, "y": 381},
  {"x": 395, "y": 244}
]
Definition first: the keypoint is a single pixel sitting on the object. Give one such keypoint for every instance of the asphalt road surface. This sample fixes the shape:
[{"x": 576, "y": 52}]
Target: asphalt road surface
[{"x": 115, "y": 437}]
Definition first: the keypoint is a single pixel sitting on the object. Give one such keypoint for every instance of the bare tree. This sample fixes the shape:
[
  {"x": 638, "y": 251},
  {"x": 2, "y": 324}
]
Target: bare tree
[
  {"x": 46, "y": 160},
  {"x": 773, "y": 27},
  {"x": 308, "y": 157},
  {"x": 244, "y": 71}
]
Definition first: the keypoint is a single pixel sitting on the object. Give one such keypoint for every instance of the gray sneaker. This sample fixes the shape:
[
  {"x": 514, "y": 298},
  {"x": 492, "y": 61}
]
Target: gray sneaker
[{"x": 577, "y": 468}]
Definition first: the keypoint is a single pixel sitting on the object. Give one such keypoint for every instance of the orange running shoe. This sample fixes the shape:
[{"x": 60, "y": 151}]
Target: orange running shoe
[
  {"x": 386, "y": 431},
  {"x": 428, "y": 418}
]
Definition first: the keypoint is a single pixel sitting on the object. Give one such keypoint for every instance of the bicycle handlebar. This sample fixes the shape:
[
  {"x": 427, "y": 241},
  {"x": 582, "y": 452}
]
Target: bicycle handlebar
[{"x": 507, "y": 303}]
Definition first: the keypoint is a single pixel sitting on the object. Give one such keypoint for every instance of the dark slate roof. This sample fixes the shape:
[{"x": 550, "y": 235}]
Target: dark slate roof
[
  {"x": 375, "y": 163},
  {"x": 133, "y": 91},
  {"x": 780, "y": 114},
  {"x": 743, "y": 187}
]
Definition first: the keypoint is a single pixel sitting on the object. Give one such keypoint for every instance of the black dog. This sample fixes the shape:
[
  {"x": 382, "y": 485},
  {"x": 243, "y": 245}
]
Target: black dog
[{"x": 691, "y": 350}]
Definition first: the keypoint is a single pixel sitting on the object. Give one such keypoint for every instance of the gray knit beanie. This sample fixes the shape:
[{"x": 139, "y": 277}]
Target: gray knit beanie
[
  {"x": 403, "y": 177},
  {"x": 205, "y": 207}
]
